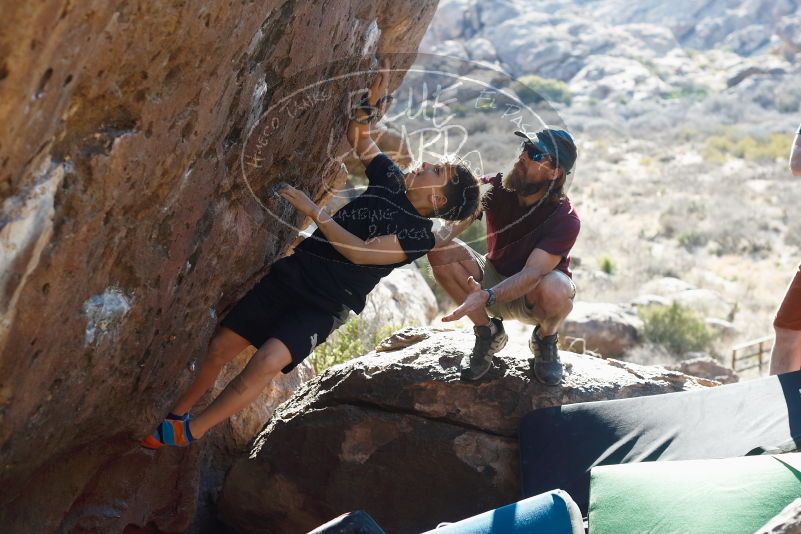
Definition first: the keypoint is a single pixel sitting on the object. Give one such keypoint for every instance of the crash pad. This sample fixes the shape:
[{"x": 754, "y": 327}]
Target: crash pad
[
  {"x": 733, "y": 495},
  {"x": 560, "y": 445},
  {"x": 553, "y": 512}
]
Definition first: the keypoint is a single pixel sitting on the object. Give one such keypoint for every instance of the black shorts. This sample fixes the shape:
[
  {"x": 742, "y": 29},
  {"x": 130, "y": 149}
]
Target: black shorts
[{"x": 272, "y": 310}]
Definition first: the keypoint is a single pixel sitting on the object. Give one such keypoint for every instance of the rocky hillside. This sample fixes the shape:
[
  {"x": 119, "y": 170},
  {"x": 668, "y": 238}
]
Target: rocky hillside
[
  {"x": 611, "y": 49},
  {"x": 133, "y": 155}
]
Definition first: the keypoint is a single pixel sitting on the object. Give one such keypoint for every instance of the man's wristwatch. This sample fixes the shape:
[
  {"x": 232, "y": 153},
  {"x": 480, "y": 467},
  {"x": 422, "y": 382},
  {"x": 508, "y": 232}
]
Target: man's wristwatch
[{"x": 491, "y": 298}]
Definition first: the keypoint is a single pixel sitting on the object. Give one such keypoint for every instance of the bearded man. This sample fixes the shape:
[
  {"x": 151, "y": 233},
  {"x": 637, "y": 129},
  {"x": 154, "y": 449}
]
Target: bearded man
[{"x": 525, "y": 275}]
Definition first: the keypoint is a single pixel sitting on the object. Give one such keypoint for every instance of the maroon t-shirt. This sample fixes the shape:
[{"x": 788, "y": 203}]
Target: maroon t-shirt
[{"x": 514, "y": 231}]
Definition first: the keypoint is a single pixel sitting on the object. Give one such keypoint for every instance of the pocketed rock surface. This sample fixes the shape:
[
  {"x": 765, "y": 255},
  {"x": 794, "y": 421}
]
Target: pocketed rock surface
[
  {"x": 397, "y": 434},
  {"x": 127, "y": 229}
]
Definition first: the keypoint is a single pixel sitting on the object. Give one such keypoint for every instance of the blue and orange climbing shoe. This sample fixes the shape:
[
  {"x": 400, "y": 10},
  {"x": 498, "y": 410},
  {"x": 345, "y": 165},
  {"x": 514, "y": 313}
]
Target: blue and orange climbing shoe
[{"x": 173, "y": 431}]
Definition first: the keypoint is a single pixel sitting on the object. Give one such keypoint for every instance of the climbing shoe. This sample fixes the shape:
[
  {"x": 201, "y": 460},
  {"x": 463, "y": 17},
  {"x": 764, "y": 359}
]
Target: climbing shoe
[
  {"x": 487, "y": 344},
  {"x": 546, "y": 365},
  {"x": 172, "y": 432}
]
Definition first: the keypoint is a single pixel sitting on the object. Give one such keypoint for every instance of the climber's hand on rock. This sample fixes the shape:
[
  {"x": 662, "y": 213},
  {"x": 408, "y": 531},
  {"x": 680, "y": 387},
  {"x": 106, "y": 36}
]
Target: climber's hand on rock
[
  {"x": 475, "y": 300},
  {"x": 378, "y": 95},
  {"x": 300, "y": 200}
]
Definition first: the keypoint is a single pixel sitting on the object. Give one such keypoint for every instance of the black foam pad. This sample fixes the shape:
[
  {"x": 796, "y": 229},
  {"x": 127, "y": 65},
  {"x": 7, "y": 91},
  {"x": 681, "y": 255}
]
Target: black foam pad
[{"x": 560, "y": 445}]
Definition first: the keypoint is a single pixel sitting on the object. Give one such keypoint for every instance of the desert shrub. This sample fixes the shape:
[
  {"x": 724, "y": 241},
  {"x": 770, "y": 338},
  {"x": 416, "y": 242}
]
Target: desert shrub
[
  {"x": 351, "y": 340},
  {"x": 770, "y": 148},
  {"x": 689, "y": 90},
  {"x": 459, "y": 109},
  {"x": 607, "y": 265},
  {"x": 691, "y": 239},
  {"x": 533, "y": 89},
  {"x": 675, "y": 327}
]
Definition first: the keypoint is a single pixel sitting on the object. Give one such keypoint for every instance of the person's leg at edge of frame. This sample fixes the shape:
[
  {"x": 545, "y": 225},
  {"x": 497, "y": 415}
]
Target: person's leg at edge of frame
[{"x": 786, "y": 354}]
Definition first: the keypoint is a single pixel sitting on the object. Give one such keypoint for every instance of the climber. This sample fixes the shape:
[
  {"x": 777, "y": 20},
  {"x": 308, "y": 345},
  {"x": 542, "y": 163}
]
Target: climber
[
  {"x": 310, "y": 293},
  {"x": 786, "y": 355},
  {"x": 525, "y": 275}
]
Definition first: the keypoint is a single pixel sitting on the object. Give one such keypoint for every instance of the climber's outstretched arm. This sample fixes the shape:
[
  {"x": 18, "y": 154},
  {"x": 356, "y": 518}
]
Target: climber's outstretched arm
[
  {"x": 359, "y": 133},
  {"x": 381, "y": 250}
]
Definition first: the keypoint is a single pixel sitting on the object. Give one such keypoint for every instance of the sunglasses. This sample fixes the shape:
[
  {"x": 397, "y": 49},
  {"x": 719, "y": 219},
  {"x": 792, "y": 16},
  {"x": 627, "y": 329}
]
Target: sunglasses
[{"x": 534, "y": 153}]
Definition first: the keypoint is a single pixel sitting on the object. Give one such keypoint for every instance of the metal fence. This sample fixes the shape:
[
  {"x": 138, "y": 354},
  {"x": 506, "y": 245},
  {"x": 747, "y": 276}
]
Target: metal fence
[{"x": 751, "y": 354}]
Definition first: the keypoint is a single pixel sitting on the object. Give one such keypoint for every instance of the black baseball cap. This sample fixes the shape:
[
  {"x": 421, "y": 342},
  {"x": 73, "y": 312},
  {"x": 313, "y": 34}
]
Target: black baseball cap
[{"x": 558, "y": 144}]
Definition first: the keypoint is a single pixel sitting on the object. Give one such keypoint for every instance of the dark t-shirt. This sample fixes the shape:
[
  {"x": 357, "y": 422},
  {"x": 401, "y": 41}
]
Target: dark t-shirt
[
  {"x": 382, "y": 209},
  {"x": 514, "y": 231}
]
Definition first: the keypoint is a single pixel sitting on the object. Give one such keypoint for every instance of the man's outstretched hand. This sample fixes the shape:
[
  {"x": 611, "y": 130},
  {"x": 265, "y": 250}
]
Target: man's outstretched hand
[{"x": 475, "y": 300}]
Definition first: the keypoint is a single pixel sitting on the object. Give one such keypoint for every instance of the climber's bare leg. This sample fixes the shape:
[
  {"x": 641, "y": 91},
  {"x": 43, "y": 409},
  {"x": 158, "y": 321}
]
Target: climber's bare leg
[
  {"x": 265, "y": 364},
  {"x": 224, "y": 346}
]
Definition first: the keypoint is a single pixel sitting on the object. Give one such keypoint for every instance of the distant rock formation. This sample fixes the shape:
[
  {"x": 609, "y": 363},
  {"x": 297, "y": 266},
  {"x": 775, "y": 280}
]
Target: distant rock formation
[
  {"x": 608, "y": 329},
  {"x": 705, "y": 366},
  {"x": 397, "y": 434},
  {"x": 620, "y": 51}
]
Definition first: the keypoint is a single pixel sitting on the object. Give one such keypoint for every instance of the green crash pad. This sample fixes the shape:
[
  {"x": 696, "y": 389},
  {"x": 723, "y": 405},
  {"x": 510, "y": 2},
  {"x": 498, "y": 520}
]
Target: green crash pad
[{"x": 732, "y": 495}]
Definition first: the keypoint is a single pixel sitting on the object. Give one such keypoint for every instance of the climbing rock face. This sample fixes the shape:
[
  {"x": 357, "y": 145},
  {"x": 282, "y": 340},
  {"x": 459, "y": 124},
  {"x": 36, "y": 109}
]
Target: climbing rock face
[
  {"x": 127, "y": 228},
  {"x": 397, "y": 434}
]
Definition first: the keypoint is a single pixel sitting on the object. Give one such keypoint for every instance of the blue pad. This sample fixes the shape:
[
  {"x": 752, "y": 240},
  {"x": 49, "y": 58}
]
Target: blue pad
[{"x": 553, "y": 513}]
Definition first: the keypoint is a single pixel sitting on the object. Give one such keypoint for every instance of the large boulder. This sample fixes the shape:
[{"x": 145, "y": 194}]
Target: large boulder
[
  {"x": 608, "y": 329},
  {"x": 705, "y": 366},
  {"x": 128, "y": 227},
  {"x": 402, "y": 298},
  {"x": 398, "y": 435}
]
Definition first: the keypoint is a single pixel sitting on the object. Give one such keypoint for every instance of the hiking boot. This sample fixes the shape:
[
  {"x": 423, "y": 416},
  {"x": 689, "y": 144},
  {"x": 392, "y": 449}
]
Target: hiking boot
[
  {"x": 546, "y": 365},
  {"x": 485, "y": 348}
]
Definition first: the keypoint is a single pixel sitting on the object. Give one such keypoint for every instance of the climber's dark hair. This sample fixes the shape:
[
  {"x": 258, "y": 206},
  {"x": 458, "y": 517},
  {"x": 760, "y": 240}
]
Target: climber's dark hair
[{"x": 462, "y": 193}]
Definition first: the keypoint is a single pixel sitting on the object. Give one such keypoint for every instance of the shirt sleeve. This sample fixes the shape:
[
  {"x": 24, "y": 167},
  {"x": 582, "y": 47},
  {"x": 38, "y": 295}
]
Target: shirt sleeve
[
  {"x": 562, "y": 238},
  {"x": 382, "y": 171},
  {"x": 416, "y": 240}
]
